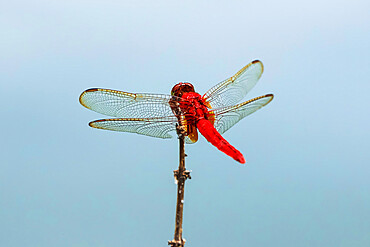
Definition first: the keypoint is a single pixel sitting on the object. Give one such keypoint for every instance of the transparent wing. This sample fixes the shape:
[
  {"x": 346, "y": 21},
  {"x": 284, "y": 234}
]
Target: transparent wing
[
  {"x": 188, "y": 140},
  {"x": 226, "y": 117},
  {"x": 233, "y": 90},
  {"x": 126, "y": 105},
  {"x": 155, "y": 127}
]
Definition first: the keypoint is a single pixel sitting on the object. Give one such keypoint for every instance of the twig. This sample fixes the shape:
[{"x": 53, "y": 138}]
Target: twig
[{"x": 180, "y": 175}]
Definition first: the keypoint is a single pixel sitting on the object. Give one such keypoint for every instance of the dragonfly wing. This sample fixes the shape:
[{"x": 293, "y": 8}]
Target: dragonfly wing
[
  {"x": 189, "y": 141},
  {"x": 226, "y": 117},
  {"x": 233, "y": 90},
  {"x": 155, "y": 127},
  {"x": 126, "y": 105}
]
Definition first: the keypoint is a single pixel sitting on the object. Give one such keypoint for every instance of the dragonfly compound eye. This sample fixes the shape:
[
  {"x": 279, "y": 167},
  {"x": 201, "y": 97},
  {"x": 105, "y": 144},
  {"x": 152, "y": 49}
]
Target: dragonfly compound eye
[{"x": 180, "y": 88}]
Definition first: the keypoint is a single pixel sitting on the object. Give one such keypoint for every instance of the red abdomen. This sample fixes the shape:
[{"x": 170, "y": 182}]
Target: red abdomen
[{"x": 211, "y": 134}]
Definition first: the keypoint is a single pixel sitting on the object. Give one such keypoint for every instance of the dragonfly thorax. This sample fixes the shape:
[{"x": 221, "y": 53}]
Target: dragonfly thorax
[{"x": 192, "y": 106}]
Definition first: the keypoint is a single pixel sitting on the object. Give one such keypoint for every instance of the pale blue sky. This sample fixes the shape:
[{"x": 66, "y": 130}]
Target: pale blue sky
[{"x": 306, "y": 182}]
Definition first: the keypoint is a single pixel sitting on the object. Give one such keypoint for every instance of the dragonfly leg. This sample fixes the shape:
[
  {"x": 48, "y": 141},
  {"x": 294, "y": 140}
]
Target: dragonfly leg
[{"x": 181, "y": 130}]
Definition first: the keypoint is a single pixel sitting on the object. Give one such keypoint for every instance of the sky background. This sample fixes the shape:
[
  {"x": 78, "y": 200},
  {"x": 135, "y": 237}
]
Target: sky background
[{"x": 306, "y": 182}]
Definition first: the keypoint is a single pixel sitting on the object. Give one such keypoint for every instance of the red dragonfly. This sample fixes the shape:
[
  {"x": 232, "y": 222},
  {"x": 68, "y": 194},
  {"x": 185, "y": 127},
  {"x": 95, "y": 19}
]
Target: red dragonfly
[{"x": 157, "y": 115}]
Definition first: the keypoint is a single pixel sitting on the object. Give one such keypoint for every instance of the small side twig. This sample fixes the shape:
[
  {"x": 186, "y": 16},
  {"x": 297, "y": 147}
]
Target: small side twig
[{"x": 180, "y": 175}]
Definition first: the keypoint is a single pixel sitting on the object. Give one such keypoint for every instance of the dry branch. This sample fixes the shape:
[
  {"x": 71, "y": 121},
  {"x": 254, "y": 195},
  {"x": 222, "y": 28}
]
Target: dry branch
[{"x": 180, "y": 175}]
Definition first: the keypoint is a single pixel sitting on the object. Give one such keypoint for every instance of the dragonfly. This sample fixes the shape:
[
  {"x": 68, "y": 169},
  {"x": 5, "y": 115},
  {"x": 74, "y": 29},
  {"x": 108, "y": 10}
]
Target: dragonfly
[{"x": 158, "y": 115}]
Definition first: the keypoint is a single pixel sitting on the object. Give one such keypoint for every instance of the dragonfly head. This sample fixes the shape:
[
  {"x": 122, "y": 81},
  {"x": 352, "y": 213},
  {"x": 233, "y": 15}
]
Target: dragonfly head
[{"x": 180, "y": 88}]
